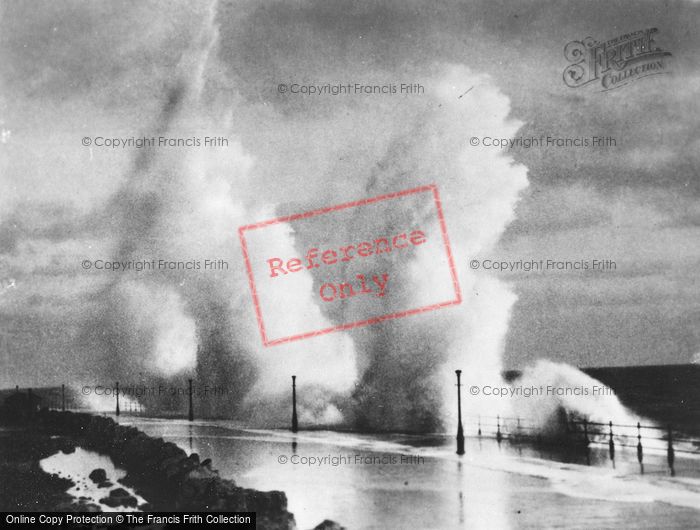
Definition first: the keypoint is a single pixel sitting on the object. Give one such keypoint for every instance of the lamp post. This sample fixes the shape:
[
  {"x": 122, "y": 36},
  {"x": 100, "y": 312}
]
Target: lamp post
[
  {"x": 460, "y": 429},
  {"x": 191, "y": 414},
  {"x": 295, "y": 424},
  {"x": 117, "y": 398}
]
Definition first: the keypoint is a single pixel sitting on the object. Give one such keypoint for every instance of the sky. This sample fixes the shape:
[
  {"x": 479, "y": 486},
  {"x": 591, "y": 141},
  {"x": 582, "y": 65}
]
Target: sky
[{"x": 73, "y": 69}]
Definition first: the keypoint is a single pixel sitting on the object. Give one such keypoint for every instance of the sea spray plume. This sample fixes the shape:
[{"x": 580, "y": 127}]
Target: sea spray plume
[
  {"x": 566, "y": 391},
  {"x": 151, "y": 323},
  {"x": 179, "y": 204},
  {"x": 324, "y": 365},
  {"x": 407, "y": 365},
  {"x": 479, "y": 201},
  {"x": 318, "y": 406}
]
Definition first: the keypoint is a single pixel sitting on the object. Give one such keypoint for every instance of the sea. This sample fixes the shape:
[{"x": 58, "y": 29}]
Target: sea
[{"x": 397, "y": 481}]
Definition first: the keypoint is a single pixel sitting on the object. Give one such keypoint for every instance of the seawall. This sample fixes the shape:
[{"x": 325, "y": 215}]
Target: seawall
[{"x": 165, "y": 474}]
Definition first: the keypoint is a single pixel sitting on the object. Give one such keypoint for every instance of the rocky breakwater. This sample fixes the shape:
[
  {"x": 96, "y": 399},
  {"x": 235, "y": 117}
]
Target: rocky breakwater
[{"x": 164, "y": 474}]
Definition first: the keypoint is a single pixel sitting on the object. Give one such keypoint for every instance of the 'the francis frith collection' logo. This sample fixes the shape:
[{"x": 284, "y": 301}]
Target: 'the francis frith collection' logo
[{"x": 616, "y": 62}]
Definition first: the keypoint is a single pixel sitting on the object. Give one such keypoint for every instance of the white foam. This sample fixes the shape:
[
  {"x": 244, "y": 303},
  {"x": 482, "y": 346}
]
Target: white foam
[{"x": 77, "y": 467}]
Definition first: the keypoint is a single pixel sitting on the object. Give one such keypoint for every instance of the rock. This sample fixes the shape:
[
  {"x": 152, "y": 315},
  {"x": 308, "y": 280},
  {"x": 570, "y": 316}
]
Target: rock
[
  {"x": 201, "y": 472},
  {"x": 85, "y": 506},
  {"x": 119, "y": 497},
  {"x": 168, "y": 462},
  {"x": 66, "y": 506},
  {"x": 265, "y": 501},
  {"x": 164, "y": 473},
  {"x": 169, "y": 449},
  {"x": 105, "y": 484},
  {"x": 109, "y": 501},
  {"x": 128, "y": 502},
  {"x": 329, "y": 525},
  {"x": 182, "y": 468},
  {"x": 98, "y": 475},
  {"x": 118, "y": 492},
  {"x": 67, "y": 447}
]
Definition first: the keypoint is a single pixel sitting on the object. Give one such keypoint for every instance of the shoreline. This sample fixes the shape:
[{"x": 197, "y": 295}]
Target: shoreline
[
  {"x": 161, "y": 472},
  {"x": 25, "y": 486}
]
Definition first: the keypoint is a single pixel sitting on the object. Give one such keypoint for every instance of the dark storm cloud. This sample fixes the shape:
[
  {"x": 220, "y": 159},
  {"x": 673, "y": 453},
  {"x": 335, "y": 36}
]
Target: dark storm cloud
[
  {"x": 110, "y": 51},
  {"x": 120, "y": 51},
  {"x": 73, "y": 68},
  {"x": 654, "y": 122}
]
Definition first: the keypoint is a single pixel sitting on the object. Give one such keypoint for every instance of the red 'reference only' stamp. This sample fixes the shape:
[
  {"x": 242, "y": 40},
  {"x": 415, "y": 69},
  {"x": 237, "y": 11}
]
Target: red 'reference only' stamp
[{"x": 349, "y": 265}]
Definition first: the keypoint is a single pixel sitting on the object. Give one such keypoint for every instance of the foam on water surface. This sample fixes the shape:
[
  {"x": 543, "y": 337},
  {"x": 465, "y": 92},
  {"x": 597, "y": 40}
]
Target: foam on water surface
[{"x": 77, "y": 467}]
